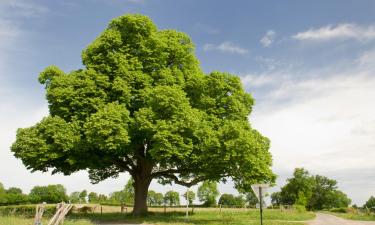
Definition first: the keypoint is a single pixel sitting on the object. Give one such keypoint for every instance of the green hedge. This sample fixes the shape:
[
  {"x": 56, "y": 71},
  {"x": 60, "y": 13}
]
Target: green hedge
[{"x": 25, "y": 210}]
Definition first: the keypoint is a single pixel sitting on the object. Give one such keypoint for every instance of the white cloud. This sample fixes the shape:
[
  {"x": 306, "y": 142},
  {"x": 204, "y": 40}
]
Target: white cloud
[
  {"x": 227, "y": 47},
  {"x": 340, "y": 31},
  {"x": 324, "y": 122},
  {"x": 268, "y": 38}
]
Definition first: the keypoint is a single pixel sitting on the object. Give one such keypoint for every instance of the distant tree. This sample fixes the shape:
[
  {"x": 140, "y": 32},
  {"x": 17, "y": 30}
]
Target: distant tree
[
  {"x": 190, "y": 196},
  {"x": 208, "y": 192},
  {"x": 117, "y": 197},
  {"x": 13, "y": 190},
  {"x": 74, "y": 197},
  {"x": 3, "y": 200},
  {"x": 251, "y": 199},
  {"x": 231, "y": 200},
  {"x": 226, "y": 199},
  {"x": 172, "y": 198},
  {"x": 299, "y": 186},
  {"x": 276, "y": 198},
  {"x": 93, "y": 197},
  {"x": 102, "y": 198},
  {"x": 50, "y": 194},
  {"x": 155, "y": 198},
  {"x": 312, "y": 192},
  {"x": 370, "y": 203},
  {"x": 82, "y": 196},
  {"x": 129, "y": 192}
]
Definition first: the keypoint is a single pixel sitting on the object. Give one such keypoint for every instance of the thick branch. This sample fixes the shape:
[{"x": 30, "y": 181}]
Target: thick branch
[{"x": 185, "y": 183}]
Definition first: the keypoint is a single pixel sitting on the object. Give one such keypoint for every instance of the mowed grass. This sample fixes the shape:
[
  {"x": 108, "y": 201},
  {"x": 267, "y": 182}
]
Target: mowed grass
[
  {"x": 12, "y": 220},
  {"x": 356, "y": 216},
  {"x": 203, "y": 217},
  {"x": 176, "y": 216}
]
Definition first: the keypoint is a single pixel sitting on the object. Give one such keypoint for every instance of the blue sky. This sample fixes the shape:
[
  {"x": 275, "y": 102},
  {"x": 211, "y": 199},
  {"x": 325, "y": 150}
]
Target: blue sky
[{"x": 309, "y": 64}]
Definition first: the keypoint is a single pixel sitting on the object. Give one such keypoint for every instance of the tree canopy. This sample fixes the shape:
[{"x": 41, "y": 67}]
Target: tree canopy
[
  {"x": 313, "y": 192},
  {"x": 141, "y": 104}
]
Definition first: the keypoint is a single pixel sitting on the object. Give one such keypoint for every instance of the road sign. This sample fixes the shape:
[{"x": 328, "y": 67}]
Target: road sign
[
  {"x": 260, "y": 191},
  {"x": 261, "y": 187}
]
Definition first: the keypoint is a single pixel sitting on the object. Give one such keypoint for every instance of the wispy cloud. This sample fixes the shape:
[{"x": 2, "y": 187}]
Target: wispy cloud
[
  {"x": 268, "y": 38},
  {"x": 227, "y": 47},
  {"x": 21, "y": 8},
  {"x": 340, "y": 31},
  {"x": 321, "y": 122}
]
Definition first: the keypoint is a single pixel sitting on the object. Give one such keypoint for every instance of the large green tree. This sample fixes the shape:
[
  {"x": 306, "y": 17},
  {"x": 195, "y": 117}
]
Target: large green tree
[{"x": 142, "y": 105}]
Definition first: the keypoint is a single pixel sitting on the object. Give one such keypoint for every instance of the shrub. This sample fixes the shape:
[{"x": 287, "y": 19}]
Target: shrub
[
  {"x": 25, "y": 210},
  {"x": 300, "y": 208},
  {"x": 339, "y": 210}
]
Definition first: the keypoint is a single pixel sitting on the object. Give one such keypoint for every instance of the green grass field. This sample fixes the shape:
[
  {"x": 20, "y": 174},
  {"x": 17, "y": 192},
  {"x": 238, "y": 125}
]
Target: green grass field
[
  {"x": 356, "y": 216},
  {"x": 200, "y": 217},
  {"x": 11, "y": 220}
]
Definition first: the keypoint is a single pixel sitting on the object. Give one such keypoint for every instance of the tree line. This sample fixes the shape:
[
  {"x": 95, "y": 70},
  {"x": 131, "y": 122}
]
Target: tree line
[{"x": 207, "y": 193}]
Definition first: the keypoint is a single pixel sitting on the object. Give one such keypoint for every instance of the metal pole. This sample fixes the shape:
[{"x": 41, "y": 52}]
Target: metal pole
[
  {"x": 187, "y": 203},
  {"x": 261, "y": 205}
]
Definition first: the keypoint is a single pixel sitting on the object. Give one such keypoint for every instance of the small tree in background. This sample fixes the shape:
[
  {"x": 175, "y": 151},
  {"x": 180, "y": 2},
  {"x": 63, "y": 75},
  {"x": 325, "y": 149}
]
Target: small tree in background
[
  {"x": 83, "y": 196},
  {"x": 370, "y": 203},
  {"x": 154, "y": 198},
  {"x": 276, "y": 198},
  {"x": 189, "y": 196},
  {"x": 50, "y": 194},
  {"x": 208, "y": 192},
  {"x": 172, "y": 198},
  {"x": 74, "y": 197},
  {"x": 93, "y": 197}
]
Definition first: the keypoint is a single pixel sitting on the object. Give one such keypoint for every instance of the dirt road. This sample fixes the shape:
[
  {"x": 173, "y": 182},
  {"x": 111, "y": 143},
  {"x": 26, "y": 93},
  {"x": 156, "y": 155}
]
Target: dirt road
[{"x": 325, "y": 219}]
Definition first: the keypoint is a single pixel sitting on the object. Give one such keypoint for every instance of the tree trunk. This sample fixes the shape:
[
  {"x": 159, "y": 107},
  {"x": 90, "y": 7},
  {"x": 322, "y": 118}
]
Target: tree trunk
[{"x": 142, "y": 180}]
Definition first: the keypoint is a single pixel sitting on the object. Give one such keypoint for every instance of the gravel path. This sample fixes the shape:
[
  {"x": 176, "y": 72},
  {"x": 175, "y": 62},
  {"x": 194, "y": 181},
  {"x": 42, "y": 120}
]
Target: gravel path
[{"x": 326, "y": 219}]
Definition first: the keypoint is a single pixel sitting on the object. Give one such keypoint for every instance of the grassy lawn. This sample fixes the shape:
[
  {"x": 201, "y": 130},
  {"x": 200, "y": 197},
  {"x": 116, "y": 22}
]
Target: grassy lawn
[
  {"x": 209, "y": 217},
  {"x": 11, "y": 220},
  {"x": 356, "y": 216},
  {"x": 201, "y": 216}
]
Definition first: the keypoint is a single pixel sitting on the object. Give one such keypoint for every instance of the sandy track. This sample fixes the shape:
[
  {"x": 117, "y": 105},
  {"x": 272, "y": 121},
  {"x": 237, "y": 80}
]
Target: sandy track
[{"x": 326, "y": 219}]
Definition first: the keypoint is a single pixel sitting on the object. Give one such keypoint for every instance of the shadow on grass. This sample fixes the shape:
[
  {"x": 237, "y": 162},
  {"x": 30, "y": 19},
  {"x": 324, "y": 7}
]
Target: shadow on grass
[{"x": 151, "y": 217}]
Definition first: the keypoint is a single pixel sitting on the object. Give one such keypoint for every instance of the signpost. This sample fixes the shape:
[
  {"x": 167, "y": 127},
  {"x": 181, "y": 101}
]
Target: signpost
[{"x": 260, "y": 190}]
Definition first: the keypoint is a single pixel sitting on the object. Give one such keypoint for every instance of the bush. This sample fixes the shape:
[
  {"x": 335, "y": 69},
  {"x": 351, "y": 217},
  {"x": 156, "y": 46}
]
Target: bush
[
  {"x": 25, "y": 210},
  {"x": 339, "y": 210},
  {"x": 300, "y": 208}
]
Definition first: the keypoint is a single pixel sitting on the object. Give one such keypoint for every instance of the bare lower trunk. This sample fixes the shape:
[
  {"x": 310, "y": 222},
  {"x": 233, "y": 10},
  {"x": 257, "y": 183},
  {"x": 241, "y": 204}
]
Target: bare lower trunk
[
  {"x": 140, "y": 198},
  {"x": 142, "y": 180}
]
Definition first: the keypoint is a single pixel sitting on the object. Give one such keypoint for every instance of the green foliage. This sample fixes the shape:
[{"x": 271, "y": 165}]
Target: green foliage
[
  {"x": 155, "y": 198},
  {"x": 172, "y": 198},
  {"x": 338, "y": 210},
  {"x": 74, "y": 197},
  {"x": 251, "y": 199},
  {"x": 93, "y": 197},
  {"x": 231, "y": 200},
  {"x": 50, "y": 194},
  {"x": 25, "y": 210},
  {"x": 313, "y": 192},
  {"x": 190, "y": 196},
  {"x": 142, "y": 101},
  {"x": 276, "y": 198},
  {"x": 370, "y": 203},
  {"x": 208, "y": 192},
  {"x": 82, "y": 196},
  {"x": 299, "y": 208}
]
